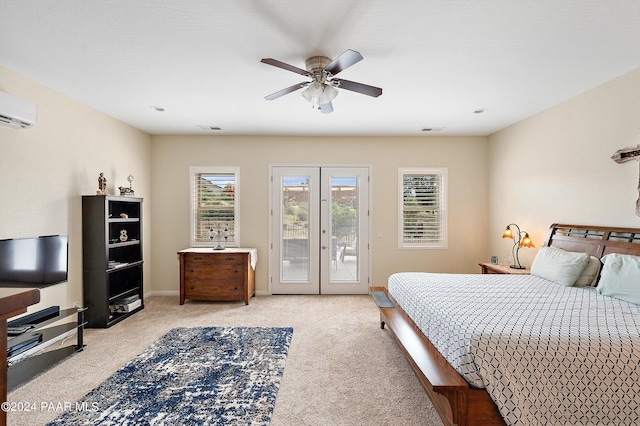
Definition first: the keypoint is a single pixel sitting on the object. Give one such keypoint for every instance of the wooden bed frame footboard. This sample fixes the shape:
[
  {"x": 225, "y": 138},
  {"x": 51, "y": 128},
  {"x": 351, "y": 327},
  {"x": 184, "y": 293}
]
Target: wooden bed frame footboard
[{"x": 455, "y": 401}]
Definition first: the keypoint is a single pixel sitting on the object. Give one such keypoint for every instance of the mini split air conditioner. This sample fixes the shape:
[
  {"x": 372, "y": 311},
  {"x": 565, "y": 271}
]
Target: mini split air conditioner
[{"x": 16, "y": 112}]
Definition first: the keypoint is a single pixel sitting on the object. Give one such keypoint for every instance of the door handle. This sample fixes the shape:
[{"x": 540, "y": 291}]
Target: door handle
[{"x": 324, "y": 247}]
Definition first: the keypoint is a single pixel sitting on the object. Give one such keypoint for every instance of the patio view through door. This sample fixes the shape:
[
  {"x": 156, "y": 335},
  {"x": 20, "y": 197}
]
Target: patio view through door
[{"x": 319, "y": 230}]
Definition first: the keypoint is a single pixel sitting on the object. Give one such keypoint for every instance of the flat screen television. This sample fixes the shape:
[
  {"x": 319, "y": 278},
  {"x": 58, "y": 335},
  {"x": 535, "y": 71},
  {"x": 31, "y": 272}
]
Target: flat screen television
[{"x": 34, "y": 262}]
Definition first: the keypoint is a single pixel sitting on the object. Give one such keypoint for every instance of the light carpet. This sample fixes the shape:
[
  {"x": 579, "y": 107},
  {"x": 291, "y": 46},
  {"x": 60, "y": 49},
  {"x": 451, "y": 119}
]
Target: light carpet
[
  {"x": 192, "y": 376},
  {"x": 342, "y": 369}
]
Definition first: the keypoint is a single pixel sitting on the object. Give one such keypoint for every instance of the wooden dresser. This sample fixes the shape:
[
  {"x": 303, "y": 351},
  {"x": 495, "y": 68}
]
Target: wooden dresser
[{"x": 217, "y": 275}]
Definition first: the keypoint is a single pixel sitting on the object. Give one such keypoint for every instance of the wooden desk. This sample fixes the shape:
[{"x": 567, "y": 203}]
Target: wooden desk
[
  {"x": 217, "y": 275},
  {"x": 13, "y": 301},
  {"x": 490, "y": 268}
]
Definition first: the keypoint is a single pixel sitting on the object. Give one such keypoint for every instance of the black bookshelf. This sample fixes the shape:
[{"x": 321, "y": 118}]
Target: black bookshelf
[{"x": 112, "y": 258}]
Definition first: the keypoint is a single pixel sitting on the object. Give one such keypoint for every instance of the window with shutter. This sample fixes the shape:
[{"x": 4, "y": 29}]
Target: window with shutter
[
  {"x": 215, "y": 201},
  {"x": 422, "y": 208}
]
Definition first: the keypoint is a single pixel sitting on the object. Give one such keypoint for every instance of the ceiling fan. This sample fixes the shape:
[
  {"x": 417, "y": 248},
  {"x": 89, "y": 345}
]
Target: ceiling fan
[{"x": 323, "y": 87}]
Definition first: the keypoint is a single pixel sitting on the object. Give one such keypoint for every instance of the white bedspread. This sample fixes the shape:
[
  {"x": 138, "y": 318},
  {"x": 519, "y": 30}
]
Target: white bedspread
[{"x": 547, "y": 354}]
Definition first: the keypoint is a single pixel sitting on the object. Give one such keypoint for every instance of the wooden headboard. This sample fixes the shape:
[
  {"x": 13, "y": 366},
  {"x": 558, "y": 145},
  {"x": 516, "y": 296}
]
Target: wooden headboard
[{"x": 595, "y": 240}]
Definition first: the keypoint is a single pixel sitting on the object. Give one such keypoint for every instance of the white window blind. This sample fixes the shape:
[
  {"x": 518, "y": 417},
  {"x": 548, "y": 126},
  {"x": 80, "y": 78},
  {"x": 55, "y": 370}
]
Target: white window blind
[
  {"x": 422, "y": 208},
  {"x": 214, "y": 206}
]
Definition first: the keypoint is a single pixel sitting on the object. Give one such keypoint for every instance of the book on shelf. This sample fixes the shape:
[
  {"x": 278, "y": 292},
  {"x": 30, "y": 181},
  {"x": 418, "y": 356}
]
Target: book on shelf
[
  {"x": 113, "y": 264},
  {"x": 125, "y": 304}
]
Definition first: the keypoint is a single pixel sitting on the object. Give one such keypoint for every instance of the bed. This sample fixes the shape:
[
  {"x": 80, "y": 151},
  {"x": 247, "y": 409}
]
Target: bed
[{"x": 521, "y": 349}]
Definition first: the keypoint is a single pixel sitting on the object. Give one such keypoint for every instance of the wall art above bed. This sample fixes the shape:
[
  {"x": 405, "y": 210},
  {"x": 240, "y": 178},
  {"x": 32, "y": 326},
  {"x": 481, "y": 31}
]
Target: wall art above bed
[{"x": 627, "y": 154}]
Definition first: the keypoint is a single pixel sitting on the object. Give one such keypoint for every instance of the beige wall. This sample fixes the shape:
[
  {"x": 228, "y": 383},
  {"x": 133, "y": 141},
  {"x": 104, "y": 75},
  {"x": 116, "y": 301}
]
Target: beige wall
[
  {"x": 556, "y": 166},
  {"x": 44, "y": 171},
  {"x": 465, "y": 158},
  {"x": 552, "y": 167}
]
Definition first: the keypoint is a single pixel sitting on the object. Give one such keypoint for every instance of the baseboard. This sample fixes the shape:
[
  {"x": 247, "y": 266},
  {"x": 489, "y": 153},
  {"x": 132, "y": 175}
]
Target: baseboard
[
  {"x": 177, "y": 293},
  {"x": 162, "y": 293}
]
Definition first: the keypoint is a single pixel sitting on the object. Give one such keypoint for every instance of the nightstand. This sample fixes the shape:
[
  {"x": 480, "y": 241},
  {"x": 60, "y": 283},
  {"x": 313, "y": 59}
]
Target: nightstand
[{"x": 490, "y": 268}]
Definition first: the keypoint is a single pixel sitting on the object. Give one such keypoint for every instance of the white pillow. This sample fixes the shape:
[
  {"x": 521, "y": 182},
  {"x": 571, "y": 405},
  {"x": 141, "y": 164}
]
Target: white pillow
[
  {"x": 589, "y": 277},
  {"x": 560, "y": 266},
  {"x": 620, "y": 277}
]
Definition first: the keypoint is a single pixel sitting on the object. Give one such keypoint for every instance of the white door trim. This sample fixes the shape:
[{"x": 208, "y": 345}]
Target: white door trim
[{"x": 369, "y": 212}]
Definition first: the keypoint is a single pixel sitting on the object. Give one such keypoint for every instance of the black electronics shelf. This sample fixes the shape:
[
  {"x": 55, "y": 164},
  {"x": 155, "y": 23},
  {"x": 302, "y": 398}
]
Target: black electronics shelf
[
  {"x": 112, "y": 258},
  {"x": 23, "y": 365}
]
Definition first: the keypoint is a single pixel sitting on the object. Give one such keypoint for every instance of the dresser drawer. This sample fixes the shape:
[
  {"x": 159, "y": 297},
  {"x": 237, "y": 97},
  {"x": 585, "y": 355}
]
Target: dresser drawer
[
  {"x": 199, "y": 271},
  {"x": 213, "y": 290},
  {"x": 214, "y": 258}
]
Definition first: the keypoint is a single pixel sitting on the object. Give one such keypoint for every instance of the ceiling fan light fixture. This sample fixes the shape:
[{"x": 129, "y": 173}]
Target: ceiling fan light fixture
[
  {"x": 319, "y": 94},
  {"x": 314, "y": 90},
  {"x": 323, "y": 87},
  {"x": 329, "y": 93}
]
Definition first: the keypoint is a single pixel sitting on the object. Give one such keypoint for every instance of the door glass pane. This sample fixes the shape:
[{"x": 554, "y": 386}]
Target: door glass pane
[
  {"x": 344, "y": 229},
  {"x": 295, "y": 229}
]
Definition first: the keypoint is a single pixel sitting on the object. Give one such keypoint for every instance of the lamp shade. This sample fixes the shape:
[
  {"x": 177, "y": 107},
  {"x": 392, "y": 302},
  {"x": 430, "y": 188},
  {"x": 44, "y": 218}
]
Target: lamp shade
[
  {"x": 526, "y": 241},
  {"x": 507, "y": 233},
  {"x": 313, "y": 91},
  {"x": 328, "y": 94},
  {"x": 319, "y": 94}
]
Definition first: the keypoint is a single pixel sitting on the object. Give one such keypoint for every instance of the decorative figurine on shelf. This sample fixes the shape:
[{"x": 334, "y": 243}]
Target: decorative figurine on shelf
[
  {"x": 128, "y": 192},
  {"x": 102, "y": 185},
  {"x": 212, "y": 233},
  {"x": 130, "y": 179}
]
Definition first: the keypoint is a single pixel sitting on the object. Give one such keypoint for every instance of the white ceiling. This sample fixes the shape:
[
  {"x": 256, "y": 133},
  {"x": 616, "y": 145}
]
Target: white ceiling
[{"x": 436, "y": 60}]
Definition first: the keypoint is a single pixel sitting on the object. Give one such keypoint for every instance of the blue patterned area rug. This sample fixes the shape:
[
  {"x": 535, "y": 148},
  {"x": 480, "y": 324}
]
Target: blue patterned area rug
[{"x": 192, "y": 376}]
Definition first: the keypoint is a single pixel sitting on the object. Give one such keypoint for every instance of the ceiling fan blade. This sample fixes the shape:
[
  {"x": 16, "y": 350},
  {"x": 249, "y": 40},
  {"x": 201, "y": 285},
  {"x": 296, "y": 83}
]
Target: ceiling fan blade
[
  {"x": 284, "y": 66},
  {"x": 283, "y": 92},
  {"x": 326, "y": 108},
  {"x": 344, "y": 61},
  {"x": 365, "y": 89}
]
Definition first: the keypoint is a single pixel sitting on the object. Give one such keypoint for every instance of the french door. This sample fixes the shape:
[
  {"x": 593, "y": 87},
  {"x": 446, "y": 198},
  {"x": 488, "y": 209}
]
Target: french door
[{"x": 319, "y": 230}]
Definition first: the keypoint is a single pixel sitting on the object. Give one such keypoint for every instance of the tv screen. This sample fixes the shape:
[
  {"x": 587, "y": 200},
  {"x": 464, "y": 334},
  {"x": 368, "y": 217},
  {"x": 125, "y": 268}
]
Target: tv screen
[{"x": 34, "y": 262}]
